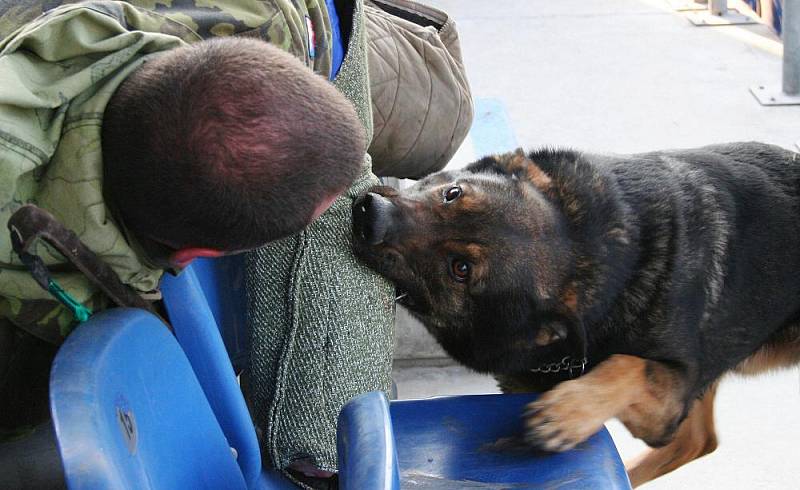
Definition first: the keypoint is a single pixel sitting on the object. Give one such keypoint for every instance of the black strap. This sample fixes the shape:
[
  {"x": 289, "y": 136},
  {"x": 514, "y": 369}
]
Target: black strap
[{"x": 30, "y": 223}]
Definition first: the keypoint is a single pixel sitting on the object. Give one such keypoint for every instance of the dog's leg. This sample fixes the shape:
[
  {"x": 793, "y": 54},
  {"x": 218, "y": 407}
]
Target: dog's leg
[
  {"x": 646, "y": 395},
  {"x": 696, "y": 437}
]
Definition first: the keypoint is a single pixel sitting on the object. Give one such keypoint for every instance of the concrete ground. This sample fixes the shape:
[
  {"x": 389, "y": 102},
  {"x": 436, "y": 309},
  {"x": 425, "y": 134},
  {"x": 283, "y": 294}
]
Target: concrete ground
[{"x": 625, "y": 76}]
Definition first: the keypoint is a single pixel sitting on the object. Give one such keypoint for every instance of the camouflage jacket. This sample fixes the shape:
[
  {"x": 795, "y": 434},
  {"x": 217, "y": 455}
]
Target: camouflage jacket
[
  {"x": 57, "y": 72},
  {"x": 321, "y": 323}
]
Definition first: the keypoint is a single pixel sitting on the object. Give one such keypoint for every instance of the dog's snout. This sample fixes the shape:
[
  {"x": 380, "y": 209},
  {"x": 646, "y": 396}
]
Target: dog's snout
[{"x": 372, "y": 215}]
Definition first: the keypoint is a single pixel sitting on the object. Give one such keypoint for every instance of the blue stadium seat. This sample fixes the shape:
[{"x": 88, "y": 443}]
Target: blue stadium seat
[
  {"x": 206, "y": 304},
  {"x": 461, "y": 442},
  {"x": 426, "y": 445},
  {"x": 451, "y": 441},
  {"x": 365, "y": 444},
  {"x": 223, "y": 286},
  {"x": 191, "y": 300},
  {"x": 133, "y": 408},
  {"x": 129, "y": 413}
]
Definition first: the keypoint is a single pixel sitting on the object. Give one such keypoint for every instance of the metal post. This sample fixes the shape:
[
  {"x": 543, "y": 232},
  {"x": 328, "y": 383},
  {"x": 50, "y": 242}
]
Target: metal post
[
  {"x": 791, "y": 47},
  {"x": 718, "y": 14},
  {"x": 789, "y": 93},
  {"x": 718, "y": 7}
]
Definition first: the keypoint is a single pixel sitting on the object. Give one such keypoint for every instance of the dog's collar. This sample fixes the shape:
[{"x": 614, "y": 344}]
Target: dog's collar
[{"x": 566, "y": 364}]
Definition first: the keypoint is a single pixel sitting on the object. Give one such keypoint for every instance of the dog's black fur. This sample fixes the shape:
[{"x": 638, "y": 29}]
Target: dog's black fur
[{"x": 685, "y": 257}]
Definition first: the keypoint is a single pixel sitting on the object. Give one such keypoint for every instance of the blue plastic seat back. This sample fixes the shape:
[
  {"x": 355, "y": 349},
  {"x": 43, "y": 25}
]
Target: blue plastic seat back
[
  {"x": 191, "y": 300},
  {"x": 365, "y": 445},
  {"x": 222, "y": 282},
  {"x": 129, "y": 412},
  {"x": 450, "y": 441}
]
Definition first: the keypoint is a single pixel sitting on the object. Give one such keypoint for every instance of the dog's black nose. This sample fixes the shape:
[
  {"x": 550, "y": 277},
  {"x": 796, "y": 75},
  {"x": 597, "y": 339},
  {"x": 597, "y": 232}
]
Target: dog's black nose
[{"x": 371, "y": 218}]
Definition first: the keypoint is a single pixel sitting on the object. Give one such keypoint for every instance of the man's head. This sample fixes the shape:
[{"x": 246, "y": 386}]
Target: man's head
[{"x": 226, "y": 144}]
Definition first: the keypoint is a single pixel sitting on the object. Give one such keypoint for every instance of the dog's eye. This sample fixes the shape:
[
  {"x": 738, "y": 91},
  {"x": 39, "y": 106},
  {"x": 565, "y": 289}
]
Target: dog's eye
[
  {"x": 452, "y": 193},
  {"x": 459, "y": 269}
]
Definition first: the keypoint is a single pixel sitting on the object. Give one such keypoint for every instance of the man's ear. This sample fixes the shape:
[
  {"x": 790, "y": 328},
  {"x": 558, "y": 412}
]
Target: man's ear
[{"x": 185, "y": 256}]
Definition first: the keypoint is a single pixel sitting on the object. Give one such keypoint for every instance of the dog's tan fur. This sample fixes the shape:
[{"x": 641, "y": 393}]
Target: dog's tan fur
[{"x": 696, "y": 437}]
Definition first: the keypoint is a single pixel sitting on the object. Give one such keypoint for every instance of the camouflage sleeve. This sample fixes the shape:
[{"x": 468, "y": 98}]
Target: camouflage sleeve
[
  {"x": 46, "y": 319},
  {"x": 301, "y": 28}
]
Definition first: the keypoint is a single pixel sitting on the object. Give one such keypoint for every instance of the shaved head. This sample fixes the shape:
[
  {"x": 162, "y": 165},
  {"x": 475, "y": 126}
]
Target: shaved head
[{"x": 227, "y": 144}]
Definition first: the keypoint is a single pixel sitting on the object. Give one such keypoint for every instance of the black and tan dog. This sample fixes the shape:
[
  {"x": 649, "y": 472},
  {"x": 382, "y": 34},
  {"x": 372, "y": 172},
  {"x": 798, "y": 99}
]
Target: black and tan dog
[{"x": 624, "y": 285}]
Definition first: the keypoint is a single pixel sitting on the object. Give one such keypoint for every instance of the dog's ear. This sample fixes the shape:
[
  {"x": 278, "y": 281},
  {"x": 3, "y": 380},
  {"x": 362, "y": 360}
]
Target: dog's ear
[
  {"x": 554, "y": 323},
  {"x": 551, "y": 332},
  {"x": 576, "y": 337},
  {"x": 569, "y": 312},
  {"x": 492, "y": 164},
  {"x": 500, "y": 163},
  {"x": 515, "y": 164},
  {"x": 564, "y": 324}
]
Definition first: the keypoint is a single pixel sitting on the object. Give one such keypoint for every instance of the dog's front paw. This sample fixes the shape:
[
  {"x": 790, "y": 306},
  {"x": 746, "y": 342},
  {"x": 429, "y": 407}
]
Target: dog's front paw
[{"x": 562, "y": 418}]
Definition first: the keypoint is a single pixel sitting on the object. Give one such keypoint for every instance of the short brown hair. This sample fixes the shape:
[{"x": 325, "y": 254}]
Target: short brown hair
[{"x": 227, "y": 144}]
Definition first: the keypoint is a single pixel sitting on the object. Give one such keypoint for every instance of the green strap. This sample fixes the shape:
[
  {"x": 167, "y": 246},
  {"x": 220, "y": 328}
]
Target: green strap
[{"x": 80, "y": 312}]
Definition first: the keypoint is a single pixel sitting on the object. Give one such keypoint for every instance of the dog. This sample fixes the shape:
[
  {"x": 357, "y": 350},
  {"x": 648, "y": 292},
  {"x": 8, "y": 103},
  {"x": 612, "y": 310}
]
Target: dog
[{"x": 622, "y": 286}]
